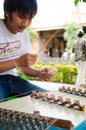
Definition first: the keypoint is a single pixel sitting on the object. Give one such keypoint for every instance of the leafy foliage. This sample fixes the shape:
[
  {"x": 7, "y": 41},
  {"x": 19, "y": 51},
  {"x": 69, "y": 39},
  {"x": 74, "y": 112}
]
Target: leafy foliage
[
  {"x": 77, "y": 1},
  {"x": 63, "y": 73},
  {"x": 33, "y": 34},
  {"x": 70, "y": 34}
]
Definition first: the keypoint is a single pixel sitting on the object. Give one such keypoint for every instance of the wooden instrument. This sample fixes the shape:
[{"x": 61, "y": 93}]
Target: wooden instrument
[{"x": 66, "y": 108}]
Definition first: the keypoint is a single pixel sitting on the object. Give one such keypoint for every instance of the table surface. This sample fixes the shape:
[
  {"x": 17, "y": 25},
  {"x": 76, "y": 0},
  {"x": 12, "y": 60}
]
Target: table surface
[{"x": 28, "y": 105}]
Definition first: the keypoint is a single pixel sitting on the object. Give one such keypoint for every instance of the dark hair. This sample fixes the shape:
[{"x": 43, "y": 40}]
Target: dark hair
[
  {"x": 80, "y": 33},
  {"x": 26, "y": 6}
]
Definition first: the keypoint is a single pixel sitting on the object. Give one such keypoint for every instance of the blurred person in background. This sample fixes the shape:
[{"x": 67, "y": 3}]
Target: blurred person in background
[{"x": 79, "y": 49}]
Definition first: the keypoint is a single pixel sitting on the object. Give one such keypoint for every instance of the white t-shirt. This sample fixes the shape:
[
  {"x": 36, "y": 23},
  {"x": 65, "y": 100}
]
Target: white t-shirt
[{"x": 12, "y": 45}]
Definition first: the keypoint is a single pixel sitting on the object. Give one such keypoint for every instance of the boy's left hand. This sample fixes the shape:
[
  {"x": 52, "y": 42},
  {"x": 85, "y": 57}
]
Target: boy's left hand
[{"x": 46, "y": 74}]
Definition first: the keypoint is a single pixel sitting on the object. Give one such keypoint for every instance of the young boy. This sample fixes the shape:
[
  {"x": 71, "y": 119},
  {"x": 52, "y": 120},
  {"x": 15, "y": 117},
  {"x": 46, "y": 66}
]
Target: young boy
[{"x": 15, "y": 50}]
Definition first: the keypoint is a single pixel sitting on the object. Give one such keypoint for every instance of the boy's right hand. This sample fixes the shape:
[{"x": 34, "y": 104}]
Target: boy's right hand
[{"x": 26, "y": 60}]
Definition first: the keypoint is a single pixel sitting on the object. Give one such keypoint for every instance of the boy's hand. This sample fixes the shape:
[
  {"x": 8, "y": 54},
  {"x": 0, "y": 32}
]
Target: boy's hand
[
  {"x": 26, "y": 60},
  {"x": 46, "y": 74}
]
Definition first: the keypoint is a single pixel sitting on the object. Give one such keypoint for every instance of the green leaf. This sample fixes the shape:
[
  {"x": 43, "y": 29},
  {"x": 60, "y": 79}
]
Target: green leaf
[{"x": 77, "y": 1}]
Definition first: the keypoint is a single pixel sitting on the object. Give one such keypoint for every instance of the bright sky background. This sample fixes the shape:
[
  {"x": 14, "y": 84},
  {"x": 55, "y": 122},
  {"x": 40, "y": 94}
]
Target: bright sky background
[
  {"x": 1, "y": 8},
  {"x": 53, "y": 12},
  {"x": 56, "y": 12}
]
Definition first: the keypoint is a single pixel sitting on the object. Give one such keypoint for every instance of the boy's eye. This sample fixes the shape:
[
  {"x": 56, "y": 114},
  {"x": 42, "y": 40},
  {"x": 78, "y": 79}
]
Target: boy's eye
[{"x": 22, "y": 16}]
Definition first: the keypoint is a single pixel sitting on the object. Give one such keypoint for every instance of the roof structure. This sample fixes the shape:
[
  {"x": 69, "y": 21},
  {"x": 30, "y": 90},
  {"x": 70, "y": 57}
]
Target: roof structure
[{"x": 56, "y": 14}]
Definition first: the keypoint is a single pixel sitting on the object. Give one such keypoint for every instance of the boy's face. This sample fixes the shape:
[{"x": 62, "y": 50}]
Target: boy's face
[{"x": 18, "y": 22}]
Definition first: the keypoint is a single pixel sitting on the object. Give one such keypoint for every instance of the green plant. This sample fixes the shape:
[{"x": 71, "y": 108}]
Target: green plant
[
  {"x": 70, "y": 34},
  {"x": 77, "y": 1},
  {"x": 64, "y": 73},
  {"x": 33, "y": 34}
]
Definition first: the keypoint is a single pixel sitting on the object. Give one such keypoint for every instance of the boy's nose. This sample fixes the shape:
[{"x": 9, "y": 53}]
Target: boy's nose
[{"x": 25, "y": 23}]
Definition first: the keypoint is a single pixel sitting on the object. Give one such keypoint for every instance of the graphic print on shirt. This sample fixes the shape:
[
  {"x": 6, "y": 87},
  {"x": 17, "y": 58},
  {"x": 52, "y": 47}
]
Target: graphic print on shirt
[{"x": 11, "y": 49}]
